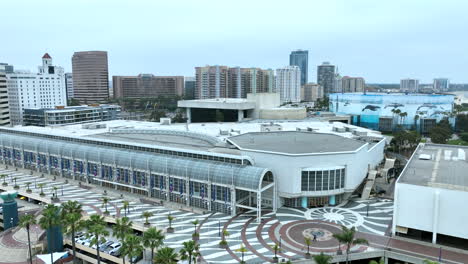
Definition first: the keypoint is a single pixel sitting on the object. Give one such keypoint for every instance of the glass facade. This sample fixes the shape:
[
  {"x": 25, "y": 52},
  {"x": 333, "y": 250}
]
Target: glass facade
[
  {"x": 300, "y": 58},
  {"x": 322, "y": 180}
]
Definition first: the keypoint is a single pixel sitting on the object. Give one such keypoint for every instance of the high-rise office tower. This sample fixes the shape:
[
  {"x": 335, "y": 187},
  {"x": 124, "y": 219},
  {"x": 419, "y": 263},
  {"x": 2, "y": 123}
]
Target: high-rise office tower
[
  {"x": 353, "y": 84},
  {"x": 326, "y": 77},
  {"x": 189, "y": 88},
  {"x": 90, "y": 76},
  {"x": 211, "y": 82},
  {"x": 4, "y": 105},
  {"x": 69, "y": 85},
  {"x": 288, "y": 83},
  {"x": 409, "y": 85},
  {"x": 242, "y": 81},
  {"x": 300, "y": 58},
  {"x": 147, "y": 85},
  {"x": 45, "y": 89},
  {"x": 441, "y": 84}
]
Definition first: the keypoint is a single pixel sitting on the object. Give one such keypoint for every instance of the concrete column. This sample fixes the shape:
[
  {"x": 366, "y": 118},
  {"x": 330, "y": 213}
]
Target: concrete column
[
  {"x": 167, "y": 187},
  {"x": 259, "y": 206},
  {"x": 23, "y": 164},
  {"x": 188, "y": 111},
  {"x": 275, "y": 196},
  {"x": 209, "y": 196},
  {"x": 187, "y": 191},
  {"x": 48, "y": 163},
  {"x": 233, "y": 201},
  {"x": 148, "y": 181},
  {"x": 435, "y": 217},
  {"x": 60, "y": 165},
  {"x": 240, "y": 115}
]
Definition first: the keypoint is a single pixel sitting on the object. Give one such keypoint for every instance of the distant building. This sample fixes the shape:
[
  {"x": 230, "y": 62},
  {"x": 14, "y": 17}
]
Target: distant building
[
  {"x": 70, "y": 115},
  {"x": 90, "y": 76},
  {"x": 69, "y": 85},
  {"x": 326, "y": 77},
  {"x": 409, "y": 85},
  {"x": 288, "y": 83},
  {"x": 311, "y": 92},
  {"x": 235, "y": 82},
  {"x": 147, "y": 85},
  {"x": 45, "y": 89},
  {"x": 441, "y": 84},
  {"x": 338, "y": 83},
  {"x": 242, "y": 81},
  {"x": 353, "y": 84},
  {"x": 211, "y": 82},
  {"x": 5, "y": 68},
  {"x": 189, "y": 87},
  {"x": 4, "y": 107},
  {"x": 300, "y": 58}
]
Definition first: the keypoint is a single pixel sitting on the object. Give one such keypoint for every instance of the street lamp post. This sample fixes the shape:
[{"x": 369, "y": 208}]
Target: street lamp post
[
  {"x": 219, "y": 228},
  {"x": 367, "y": 213}
]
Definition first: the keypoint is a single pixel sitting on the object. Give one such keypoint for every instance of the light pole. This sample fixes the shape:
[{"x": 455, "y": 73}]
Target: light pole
[
  {"x": 219, "y": 228},
  {"x": 62, "y": 190},
  {"x": 367, "y": 213}
]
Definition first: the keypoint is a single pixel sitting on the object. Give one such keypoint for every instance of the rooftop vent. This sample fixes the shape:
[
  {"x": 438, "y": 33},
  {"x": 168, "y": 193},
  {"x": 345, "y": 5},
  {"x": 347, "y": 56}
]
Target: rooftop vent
[{"x": 425, "y": 157}]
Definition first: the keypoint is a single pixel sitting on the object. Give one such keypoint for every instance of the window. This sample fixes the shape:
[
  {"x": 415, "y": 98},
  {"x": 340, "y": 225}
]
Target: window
[
  {"x": 305, "y": 181},
  {"x": 322, "y": 180}
]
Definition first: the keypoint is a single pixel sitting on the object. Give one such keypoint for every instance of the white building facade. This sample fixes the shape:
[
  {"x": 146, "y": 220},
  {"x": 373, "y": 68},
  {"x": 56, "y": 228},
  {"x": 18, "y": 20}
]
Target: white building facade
[
  {"x": 45, "y": 89},
  {"x": 69, "y": 85},
  {"x": 4, "y": 107},
  {"x": 288, "y": 84},
  {"x": 409, "y": 85}
]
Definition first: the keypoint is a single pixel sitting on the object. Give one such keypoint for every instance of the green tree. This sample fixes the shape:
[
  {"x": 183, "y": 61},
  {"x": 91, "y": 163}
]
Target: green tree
[
  {"x": 131, "y": 247},
  {"x": 440, "y": 134},
  {"x": 27, "y": 187},
  {"x": 381, "y": 261},
  {"x": 195, "y": 224},
  {"x": 153, "y": 238},
  {"x": 71, "y": 219},
  {"x": 347, "y": 237},
  {"x": 97, "y": 227},
  {"x": 242, "y": 250},
  {"x": 125, "y": 207},
  {"x": 308, "y": 242},
  {"x": 26, "y": 221},
  {"x": 146, "y": 215},
  {"x": 170, "y": 218},
  {"x": 464, "y": 136},
  {"x": 426, "y": 261},
  {"x": 4, "y": 176},
  {"x": 122, "y": 227},
  {"x": 462, "y": 122},
  {"x": 105, "y": 201},
  {"x": 156, "y": 115},
  {"x": 276, "y": 248},
  {"x": 189, "y": 251},
  {"x": 166, "y": 255},
  {"x": 50, "y": 219},
  {"x": 41, "y": 186},
  {"x": 223, "y": 241},
  {"x": 322, "y": 258},
  {"x": 73, "y": 102}
]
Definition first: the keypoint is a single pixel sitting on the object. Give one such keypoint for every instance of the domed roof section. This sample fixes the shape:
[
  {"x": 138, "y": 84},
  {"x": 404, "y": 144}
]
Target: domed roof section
[{"x": 46, "y": 56}]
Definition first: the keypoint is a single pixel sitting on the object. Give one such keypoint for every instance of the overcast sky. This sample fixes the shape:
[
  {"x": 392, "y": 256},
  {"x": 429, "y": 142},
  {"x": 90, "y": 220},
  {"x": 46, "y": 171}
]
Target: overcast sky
[{"x": 380, "y": 40}]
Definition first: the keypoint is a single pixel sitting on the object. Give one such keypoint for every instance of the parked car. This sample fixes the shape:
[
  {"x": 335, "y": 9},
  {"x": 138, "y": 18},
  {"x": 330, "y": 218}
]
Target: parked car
[
  {"x": 136, "y": 259},
  {"x": 87, "y": 242},
  {"x": 105, "y": 245},
  {"x": 114, "y": 249},
  {"x": 80, "y": 240}
]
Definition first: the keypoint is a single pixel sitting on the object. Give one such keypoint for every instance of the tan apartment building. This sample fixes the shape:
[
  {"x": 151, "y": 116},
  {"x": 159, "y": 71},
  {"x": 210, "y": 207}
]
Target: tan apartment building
[
  {"x": 90, "y": 76},
  {"x": 147, "y": 85}
]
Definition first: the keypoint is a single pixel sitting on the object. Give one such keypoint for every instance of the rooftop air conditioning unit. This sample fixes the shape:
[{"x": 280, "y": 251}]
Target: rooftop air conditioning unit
[{"x": 165, "y": 121}]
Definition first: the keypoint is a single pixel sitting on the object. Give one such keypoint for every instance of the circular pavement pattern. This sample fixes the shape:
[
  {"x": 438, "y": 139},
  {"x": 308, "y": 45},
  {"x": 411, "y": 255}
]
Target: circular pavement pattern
[{"x": 337, "y": 215}]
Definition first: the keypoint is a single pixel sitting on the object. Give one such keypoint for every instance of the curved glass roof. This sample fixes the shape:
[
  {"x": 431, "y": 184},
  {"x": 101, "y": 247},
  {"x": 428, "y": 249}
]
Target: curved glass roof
[{"x": 242, "y": 176}]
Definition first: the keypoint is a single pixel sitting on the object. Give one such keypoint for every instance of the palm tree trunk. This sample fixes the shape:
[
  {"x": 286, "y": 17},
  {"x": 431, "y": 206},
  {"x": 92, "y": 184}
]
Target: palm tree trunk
[
  {"x": 50, "y": 248},
  {"x": 190, "y": 259},
  {"x": 73, "y": 243},
  {"x": 152, "y": 255},
  {"x": 97, "y": 250},
  {"x": 29, "y": 244}
]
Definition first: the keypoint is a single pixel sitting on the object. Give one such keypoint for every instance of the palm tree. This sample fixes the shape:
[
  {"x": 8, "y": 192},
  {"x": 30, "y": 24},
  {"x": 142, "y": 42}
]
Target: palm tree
[
  {"x": 125, "y": 207},
  {"x": 308, "y": 241},
  {"x": 416, "y": 118},
  {"x": 276, "y": 248},
  {"x": 189, "y": 251},
  {"x": 122, "y": 227},
  {"x": 322, "y": 258},
  {"x": 41, "y": 185},
  {"x": 55, "y": 191},
  {"x": 50, "y": 219},
  {"x": 242, "y": 250},
  {"x": 3, "y": 176},
  {"x": 97, "y": 227},
  {"x": 153, "y": 238},
  {"x": 166, "y": 255},
  {"x": 146, "y": 215},
  {"x": 195, "y": 234},
  {"x": 27, "y": 187},
  {"x": 170, "y": 218},
  {"x": 105, "y": 201},
  {"x": 26, "y": 221},
  {"x": 347, "y": 237},
  {"x": 15, "y": 186},
  {"x": 132, "y": 247},
  {"x": 381, "y": 261},
  {"x": 71, "y": 219},
  {"x": 223, "y": 241}
]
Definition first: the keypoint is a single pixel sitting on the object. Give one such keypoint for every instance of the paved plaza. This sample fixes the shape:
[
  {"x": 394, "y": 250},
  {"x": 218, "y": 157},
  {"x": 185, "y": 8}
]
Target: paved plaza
[{"x": 287, "y": 227}]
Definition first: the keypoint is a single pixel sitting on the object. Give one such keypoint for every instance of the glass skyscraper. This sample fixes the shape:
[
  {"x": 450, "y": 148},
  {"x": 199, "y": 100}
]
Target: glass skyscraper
[{"x": 300, "y": 58}]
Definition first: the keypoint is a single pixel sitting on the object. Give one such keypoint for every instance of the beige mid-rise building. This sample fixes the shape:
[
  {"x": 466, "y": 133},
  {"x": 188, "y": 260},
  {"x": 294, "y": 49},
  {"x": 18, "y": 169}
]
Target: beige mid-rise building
[
  {"x": 147, "y": 85},
  {"x": 90, "y": 76},
  {"x": 353, "y": 84},
  {"x": 311, "y": 92}
]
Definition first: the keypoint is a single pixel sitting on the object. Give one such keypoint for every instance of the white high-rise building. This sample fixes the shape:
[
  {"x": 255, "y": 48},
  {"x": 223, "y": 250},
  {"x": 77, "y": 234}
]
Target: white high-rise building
[
  {"x": 288, "y": 84},
  {"x": 409, "y": 85},
  {"x": 441, "y": 84},
  {"x": 45, "y": 89}
]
